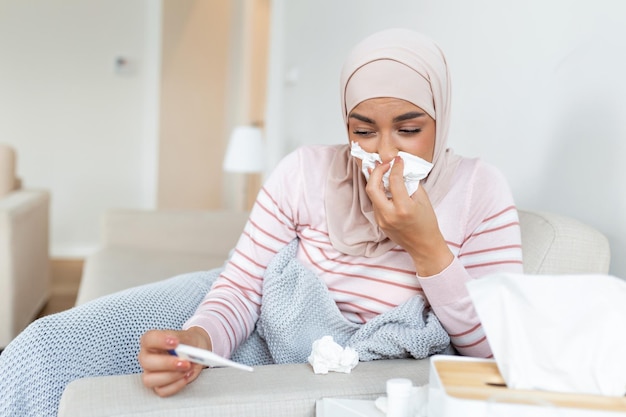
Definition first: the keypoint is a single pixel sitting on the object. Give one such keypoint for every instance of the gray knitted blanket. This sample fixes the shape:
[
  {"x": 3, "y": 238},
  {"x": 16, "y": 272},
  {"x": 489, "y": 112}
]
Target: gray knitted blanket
[
  {"x": 102, "y": 337},
  {"x": 297, "y": 310}
]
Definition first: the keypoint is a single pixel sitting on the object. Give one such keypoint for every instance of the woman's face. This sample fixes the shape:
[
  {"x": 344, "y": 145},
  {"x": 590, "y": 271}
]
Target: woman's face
[{"x": 388, "y": 125}]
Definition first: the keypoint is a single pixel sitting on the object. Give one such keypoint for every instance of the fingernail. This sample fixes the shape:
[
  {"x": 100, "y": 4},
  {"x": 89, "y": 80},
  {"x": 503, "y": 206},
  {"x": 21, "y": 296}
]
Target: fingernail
[
  {"x": 170, "y": 341},
  {"x": 188, "y": 374}
]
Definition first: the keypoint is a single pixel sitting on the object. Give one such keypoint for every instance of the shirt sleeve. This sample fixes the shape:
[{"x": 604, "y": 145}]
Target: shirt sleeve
[
  {"x": 229, "y": 311},
  {"x": 491, "y": 243}
]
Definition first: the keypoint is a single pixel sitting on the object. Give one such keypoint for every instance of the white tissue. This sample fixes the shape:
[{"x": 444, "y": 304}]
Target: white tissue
[
  {"x": 562, "y": 333},
  {"x": 415, "y": 168},
  {"x": 326, "y": 355}
]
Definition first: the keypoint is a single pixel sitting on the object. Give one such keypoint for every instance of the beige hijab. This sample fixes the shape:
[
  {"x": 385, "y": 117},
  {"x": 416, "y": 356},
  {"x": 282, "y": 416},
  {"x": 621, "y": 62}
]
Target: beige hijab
[{"x": 397, "y": 63}]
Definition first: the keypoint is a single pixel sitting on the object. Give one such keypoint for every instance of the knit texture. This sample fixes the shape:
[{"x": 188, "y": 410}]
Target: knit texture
[
  {"x": 95, "y": 339},
  {"x": 297, "y": 310},
  {"x": 102, "y": 337}
]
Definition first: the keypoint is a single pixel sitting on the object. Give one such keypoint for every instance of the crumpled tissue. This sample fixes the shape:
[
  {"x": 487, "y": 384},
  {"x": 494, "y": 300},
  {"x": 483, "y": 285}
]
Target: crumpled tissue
[
  {"x": 561, "y": 333},
  {"x": 415, "y": 168},
  {"x": 326, "y": 355}
]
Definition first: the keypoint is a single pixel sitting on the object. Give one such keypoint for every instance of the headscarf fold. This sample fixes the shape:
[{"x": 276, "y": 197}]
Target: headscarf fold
[{"x": 397, "y": 63}]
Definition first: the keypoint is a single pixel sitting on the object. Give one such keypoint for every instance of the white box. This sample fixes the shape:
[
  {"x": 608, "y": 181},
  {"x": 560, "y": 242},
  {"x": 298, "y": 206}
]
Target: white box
[
  {"x": 343, "y": 407},
  {"x": 462, "y": 386}
]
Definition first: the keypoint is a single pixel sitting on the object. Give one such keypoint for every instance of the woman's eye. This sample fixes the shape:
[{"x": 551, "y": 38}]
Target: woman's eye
[
  {"x": 362, "y": 132},
  {"x": 410, "y": 131}
]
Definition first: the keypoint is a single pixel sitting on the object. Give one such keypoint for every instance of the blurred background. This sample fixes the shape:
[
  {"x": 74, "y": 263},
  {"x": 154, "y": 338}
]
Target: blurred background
[{"x": 130, "y": 103}]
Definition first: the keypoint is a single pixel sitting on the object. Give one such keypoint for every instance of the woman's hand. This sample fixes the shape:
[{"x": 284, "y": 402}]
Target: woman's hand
[
  {"x": 167, "y": 374},
  {"x": 409, "y": 221}
]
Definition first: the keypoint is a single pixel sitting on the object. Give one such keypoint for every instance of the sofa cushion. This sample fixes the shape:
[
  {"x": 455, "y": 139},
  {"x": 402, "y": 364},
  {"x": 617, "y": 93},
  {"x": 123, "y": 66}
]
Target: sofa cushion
[
  {"x": 114, "y": 269},
  {"x": 555, "y": 244},
  {"x": 271, "y": 390}
]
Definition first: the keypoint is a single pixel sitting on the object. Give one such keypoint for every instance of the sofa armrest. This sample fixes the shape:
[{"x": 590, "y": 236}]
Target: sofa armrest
[
  {"x": 271, "y": 390},
  {"x": 24, "y": 259},
  {"x": 556, "y": 244},
  {"x": 209, "y": 232}
]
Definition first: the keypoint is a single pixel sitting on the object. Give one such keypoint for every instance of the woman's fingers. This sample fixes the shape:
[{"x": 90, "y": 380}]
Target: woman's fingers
[
  {"x": 162, "y": 378},
  {"x": 397, "y": 188},
  {"x": 166, "y": 383},
  {"x": 163, "y": 372},
  {"x": 162, "y": 361},
  {"x": 374, "y": 188},
  {"x": 159, "y": 340},
  {"x": 154, "y": 352},
  {"x": 172, "y": 387},
  {"x": 400, "y": 201}
]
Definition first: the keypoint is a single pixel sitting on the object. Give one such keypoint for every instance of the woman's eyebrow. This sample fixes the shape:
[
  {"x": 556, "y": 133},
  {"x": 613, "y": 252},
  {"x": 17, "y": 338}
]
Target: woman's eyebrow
[
  {"x": 361, "y": 118},
  {"x": 401, "y": 118},
  {"x": 408, "y": 116}
]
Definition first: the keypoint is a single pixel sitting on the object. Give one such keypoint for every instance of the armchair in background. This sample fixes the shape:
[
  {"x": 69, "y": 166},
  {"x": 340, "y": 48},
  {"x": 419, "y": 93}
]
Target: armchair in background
[{"x": 24, "y": 249}]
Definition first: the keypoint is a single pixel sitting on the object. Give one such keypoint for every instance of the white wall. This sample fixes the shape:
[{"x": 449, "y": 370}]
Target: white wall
[
  {"x": 538, "y": 91},
  {"x": 537, "y": 88},
  {"x": 82, "y": 130}
]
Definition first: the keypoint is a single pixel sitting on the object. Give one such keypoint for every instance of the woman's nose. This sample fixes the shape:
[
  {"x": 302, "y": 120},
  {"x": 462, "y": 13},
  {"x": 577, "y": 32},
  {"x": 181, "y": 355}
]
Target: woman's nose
[{"x": 386, "y": 149}]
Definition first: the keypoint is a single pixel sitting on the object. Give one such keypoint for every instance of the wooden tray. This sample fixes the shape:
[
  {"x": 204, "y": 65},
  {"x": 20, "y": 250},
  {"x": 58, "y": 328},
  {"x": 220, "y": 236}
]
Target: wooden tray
[{"x": 481, "y": 380}]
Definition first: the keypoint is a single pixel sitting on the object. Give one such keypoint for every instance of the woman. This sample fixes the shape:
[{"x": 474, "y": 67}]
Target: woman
[
  {"x": 373, "y": 252},
  {"x": 374, "y": 249}
]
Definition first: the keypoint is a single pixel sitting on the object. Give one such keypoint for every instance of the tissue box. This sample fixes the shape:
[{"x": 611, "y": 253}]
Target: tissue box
[
  {"x": 461, "y": 386},
  {"x": 342, "y": 407}
]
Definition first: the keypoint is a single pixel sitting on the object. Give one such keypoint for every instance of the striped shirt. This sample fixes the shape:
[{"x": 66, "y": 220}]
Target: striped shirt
[{"x": 477, "y": 218}]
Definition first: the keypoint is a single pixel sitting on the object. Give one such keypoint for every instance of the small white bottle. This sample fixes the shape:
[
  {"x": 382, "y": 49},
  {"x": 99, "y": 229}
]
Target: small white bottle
[{"x": 399, "y": 402}]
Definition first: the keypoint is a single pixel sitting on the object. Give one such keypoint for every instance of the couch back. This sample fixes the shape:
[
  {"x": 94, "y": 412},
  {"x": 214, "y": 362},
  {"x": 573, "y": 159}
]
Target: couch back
[{"x": 555, "y": 244}]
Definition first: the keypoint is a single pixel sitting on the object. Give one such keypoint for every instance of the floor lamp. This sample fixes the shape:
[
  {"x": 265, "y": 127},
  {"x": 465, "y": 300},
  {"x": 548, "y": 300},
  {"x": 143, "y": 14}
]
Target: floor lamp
[{"x": 245, "y": 155}]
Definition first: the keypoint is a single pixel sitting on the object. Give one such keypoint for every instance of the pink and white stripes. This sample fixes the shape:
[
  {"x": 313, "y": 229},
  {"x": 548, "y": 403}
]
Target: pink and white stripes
[{"x": 477, "y": 218}]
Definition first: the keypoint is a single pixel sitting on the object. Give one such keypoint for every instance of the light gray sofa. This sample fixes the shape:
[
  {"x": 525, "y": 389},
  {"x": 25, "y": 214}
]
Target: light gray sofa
[{"x": 139, "y": 247}]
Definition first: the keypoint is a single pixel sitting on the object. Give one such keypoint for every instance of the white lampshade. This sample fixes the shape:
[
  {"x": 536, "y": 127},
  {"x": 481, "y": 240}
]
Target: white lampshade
[{"x": 245, "y": 152}]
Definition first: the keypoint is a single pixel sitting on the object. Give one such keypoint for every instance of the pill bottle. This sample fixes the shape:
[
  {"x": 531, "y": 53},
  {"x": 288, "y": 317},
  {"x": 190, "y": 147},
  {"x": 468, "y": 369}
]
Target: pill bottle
[{"x": 399, "y": 397}]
